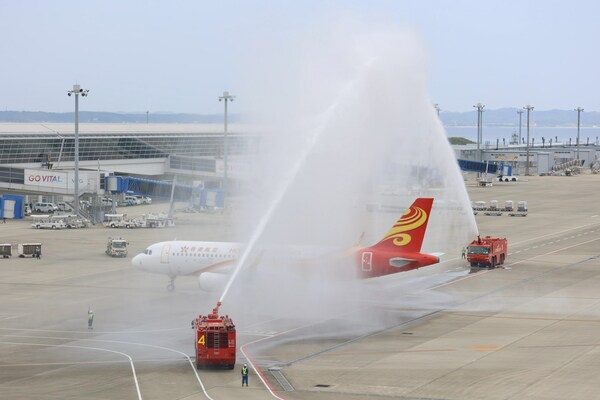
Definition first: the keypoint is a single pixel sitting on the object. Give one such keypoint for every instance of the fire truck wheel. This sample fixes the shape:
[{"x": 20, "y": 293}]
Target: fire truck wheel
[
  {"x": 493, "y": 265},
  {"x": 231, "y": 366}
]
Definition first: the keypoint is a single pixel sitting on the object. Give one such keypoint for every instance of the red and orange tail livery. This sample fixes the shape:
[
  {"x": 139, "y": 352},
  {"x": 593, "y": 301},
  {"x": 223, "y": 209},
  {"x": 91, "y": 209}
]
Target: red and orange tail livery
[{"x": 400, "y": 248}]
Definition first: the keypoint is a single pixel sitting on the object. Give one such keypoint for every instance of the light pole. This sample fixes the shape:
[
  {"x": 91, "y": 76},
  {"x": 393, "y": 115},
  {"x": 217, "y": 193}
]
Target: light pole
[
  {"x": 520, "y": 112},
  {"x": 579, "y": 110},
  {"x": 528, "y": 108},
  {"x": 226, "y": 98},
  {"x": 77, "y": 90},
  {"x": 479, "y": 108}
]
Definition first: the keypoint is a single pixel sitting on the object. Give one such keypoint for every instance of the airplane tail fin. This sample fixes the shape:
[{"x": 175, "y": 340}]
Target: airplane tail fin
[{"x": 408, "y": 232}]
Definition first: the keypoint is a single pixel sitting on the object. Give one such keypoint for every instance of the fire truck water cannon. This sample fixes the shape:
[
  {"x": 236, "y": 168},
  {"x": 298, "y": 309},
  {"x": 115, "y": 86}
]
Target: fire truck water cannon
[
  {"x": 487, "y": 252},
  {"x": 215, "y": 340}
]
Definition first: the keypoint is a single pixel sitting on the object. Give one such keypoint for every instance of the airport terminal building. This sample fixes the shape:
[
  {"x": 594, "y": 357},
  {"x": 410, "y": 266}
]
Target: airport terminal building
[
  {"x": 543, "y": 160},
  {"x": 39, "y": 158}
]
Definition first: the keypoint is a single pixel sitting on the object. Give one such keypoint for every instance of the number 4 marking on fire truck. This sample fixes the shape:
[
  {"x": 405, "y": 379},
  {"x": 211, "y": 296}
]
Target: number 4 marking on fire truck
[{"x": 201, "y": 340}]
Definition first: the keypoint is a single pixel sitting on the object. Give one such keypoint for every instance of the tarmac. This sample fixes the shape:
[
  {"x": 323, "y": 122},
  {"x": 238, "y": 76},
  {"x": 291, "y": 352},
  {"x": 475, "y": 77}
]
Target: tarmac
[{"x": 527, "y": 330}]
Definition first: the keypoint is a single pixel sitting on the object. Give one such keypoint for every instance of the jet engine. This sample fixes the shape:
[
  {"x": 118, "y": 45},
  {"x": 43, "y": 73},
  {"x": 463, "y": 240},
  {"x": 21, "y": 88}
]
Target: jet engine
[{"x": 211, "y": 281}]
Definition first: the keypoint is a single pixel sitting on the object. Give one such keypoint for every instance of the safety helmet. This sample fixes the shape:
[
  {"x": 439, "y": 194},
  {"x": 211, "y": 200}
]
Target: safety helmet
[{"x": 245, "y": 365}]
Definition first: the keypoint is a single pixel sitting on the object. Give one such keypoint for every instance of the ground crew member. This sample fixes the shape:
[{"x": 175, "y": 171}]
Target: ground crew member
[
  {"x": 245, "y": 375},
  {"x": 464, "y": 252},
  {"x": 90, "y": 318},
  {"x": 37, "y": 253}
]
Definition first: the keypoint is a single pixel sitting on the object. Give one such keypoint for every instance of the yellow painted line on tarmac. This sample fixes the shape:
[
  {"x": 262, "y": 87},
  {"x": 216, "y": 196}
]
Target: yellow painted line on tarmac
[
  {"x": 358, "y": 353},
  {"x": 483, "y": 349},
  {"x": 595, "y": 321}
]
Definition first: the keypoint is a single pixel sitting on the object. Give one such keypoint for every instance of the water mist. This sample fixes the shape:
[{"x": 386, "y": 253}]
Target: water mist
[{"x": 349, "y": 140}]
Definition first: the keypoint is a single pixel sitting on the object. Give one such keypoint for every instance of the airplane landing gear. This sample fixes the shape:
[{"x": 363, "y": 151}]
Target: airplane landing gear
[{"x": 171, "y": 285}]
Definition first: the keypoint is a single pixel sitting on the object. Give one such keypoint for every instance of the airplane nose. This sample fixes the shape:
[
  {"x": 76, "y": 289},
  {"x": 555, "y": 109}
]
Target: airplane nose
[{"x": 137, "y": 261}]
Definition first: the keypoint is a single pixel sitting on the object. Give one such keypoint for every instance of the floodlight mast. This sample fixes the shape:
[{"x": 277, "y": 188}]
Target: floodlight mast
[
  {"x": 520, "y": 112},
  {"x": 77, "y": 91},
  {"x": 529, "y": 109},
  {"x": 225, "y": 98},
  {"x": 579, "y": 111},
  {"x": 480, "y": 110}
]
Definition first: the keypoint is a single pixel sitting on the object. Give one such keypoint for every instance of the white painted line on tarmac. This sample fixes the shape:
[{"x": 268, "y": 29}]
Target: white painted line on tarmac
[
  {"x": 258, "y": 371},
  {"x": 119, "y": 342},
  {"x": 556, "y": 233},
  {"x": 95, "y": 331},
  {"x": 137, "y": 386},
  {"x": 512, "y": 264}
]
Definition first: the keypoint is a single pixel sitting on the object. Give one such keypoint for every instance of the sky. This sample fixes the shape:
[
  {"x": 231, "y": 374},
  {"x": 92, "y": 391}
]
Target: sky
[{"x": 179, "y": 56}]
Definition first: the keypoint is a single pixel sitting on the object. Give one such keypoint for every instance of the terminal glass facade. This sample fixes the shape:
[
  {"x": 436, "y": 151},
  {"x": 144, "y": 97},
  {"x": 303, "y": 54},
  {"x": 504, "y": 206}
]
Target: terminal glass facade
[{"x": 53, "y": 149}]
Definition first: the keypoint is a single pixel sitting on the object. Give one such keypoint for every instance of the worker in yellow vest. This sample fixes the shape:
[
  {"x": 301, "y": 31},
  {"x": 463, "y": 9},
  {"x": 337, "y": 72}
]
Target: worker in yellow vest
[{"x": 245, "y": 375}]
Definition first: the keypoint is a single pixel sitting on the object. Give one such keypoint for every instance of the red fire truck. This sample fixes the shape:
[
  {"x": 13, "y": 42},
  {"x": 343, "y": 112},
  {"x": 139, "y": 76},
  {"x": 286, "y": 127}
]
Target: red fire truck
[
  {"x": 487, "y": 252},
  {"x": 215, "y": 340}
]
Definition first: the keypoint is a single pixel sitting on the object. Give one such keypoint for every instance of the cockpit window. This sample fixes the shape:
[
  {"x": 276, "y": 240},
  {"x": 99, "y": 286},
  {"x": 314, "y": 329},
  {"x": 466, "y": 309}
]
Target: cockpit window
[{"x": 148, "y": 252}]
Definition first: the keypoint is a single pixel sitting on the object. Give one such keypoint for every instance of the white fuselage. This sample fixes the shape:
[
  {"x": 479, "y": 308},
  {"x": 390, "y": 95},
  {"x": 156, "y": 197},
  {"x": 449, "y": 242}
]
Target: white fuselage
[{"x": 175, "y": 258}]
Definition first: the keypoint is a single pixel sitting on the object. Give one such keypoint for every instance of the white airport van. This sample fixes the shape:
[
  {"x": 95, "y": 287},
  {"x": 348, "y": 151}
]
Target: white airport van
[
  {"x": 45, "y": 207},
  {"x": 63, "y": 206}
]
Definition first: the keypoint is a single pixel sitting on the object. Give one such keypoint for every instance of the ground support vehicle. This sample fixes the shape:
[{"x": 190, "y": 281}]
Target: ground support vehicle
[
  {"x": 521, "y": 210},
  {"x": 484, "y": 182},
  {"x": 215, "y": 340},
  {"x": 28, "y": 249},
  {"x": 487, "y": 252},
  {"x": 157, "y": 221},
  {"x": 493, "y": 209},
  {"x": 45, "y": 207},
  {"x": 507, "y": 178},
  {"x": 47, "y": 222},
  {"x": 119, "y": 221},
  {"x": 71, "y": 221},
  {"x": 5, "y": 250},
  {"x": 116, "y": 247}
]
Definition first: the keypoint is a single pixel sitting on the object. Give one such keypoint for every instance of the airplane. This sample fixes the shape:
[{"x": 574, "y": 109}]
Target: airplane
[{"x": 398, "y": 251}]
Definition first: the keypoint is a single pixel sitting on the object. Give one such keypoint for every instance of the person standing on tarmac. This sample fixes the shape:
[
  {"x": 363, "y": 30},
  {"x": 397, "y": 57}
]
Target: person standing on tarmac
[
  {"x": 245, "y": 375},
  {"x": 90, "y": 318},
  {"x": 464, "y": 252}
]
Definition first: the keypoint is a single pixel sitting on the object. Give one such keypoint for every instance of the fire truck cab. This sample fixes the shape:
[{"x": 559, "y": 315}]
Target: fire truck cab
[{"x": 215, "y": 340}]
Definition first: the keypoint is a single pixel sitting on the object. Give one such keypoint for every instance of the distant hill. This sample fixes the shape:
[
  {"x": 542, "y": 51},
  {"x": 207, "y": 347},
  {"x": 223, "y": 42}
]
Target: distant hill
[
  {"x": 459, "y": 141},
  {"x": 500, "y": 117}
]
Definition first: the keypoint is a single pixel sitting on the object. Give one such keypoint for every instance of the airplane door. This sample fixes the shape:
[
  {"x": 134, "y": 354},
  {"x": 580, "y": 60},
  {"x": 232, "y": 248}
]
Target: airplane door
[
  {"x": 164, "y": 255},
  {"x": 366, "y": 262}
]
